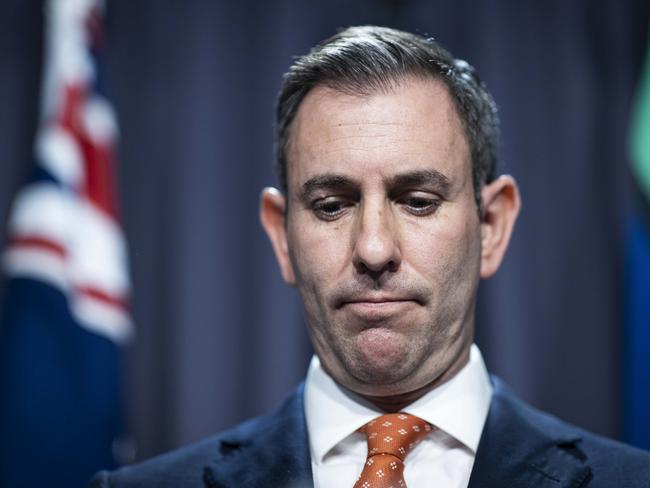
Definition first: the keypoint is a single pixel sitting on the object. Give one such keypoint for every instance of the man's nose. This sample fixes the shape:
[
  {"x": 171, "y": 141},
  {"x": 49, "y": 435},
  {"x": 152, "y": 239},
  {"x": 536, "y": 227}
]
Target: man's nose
[{"x": 376, "y": 243}]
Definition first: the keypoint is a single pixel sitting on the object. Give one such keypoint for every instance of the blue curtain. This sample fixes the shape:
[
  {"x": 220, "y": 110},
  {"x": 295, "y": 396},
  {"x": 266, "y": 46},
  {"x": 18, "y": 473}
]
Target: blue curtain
[{"x": 220, "y": 337}]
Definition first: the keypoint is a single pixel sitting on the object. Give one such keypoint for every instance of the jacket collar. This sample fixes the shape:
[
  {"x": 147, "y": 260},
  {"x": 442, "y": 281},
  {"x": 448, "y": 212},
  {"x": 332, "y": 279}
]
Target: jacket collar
[
  {"x": 271, "y": 451},
  {"x": 526, "y": 447}
]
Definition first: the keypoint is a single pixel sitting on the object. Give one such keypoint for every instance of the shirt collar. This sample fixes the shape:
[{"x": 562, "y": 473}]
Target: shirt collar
[{"x": 458, "y": 407}]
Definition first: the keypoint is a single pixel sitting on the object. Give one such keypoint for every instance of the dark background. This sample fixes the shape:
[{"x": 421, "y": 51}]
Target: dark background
[{"x": 219, "y": 336}]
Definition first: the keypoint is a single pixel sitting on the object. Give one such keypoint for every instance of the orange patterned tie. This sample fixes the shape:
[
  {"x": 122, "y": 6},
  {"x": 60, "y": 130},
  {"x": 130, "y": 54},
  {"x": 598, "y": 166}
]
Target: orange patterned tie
[{"x": 390, "y": 438}]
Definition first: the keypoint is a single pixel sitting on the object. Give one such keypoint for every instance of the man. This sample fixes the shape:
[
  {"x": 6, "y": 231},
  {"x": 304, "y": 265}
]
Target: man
[{"x": 390, "y": 213}]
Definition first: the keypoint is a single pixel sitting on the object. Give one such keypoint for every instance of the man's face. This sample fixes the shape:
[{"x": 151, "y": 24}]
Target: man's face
[{"x": 382, "y": 234}]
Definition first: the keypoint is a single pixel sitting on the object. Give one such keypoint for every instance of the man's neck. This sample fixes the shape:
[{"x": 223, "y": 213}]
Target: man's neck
[{"x": 395, "y": 403}]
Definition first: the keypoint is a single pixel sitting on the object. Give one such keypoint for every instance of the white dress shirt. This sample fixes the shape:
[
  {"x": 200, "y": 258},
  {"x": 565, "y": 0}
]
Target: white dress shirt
[{"x": 458, "y": 408}]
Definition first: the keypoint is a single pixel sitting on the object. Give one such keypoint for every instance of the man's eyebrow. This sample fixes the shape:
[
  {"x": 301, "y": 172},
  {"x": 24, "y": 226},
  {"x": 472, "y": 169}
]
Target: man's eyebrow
[
  {"x": 424, "y": 177},
  {"x": 329, "y": 181}
]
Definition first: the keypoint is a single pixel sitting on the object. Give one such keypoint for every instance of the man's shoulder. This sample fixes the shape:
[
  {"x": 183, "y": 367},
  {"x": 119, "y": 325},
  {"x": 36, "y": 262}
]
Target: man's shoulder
[
  {"x": 202, "y": 463},
  {"x": 612, "y": 463},
  {"x": 546, "y": 423},
  {"x": 555, "y": 449},
  {"x": 616, "y": 460},
  {"x": 182, "y": 467}
]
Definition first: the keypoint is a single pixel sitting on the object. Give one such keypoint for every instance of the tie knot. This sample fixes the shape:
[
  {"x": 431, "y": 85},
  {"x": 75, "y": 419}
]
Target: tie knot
[{"x": 395, "y": 434}]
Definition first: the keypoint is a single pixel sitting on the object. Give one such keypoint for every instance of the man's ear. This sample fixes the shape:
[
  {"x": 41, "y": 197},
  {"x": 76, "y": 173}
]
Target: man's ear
[
  {"x": 272, "y": 216},
  {"x": 501, "y": 204}
]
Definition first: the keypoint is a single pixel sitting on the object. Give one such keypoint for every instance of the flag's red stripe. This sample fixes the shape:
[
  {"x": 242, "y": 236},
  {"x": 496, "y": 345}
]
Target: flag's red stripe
[
  {"x": 40, "y": 243},
  {"x": 98, "y": 185},
  {"x": 102, "y": 297}
]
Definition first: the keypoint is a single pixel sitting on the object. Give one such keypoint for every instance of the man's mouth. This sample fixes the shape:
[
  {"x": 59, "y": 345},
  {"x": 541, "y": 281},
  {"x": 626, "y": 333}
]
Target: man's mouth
[
  {"x": 378, "y": 300},
  {"x": 377, "y": 307}
]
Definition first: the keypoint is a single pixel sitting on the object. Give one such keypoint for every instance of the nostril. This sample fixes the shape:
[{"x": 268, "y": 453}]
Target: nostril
[
  {"x": 392, "y": 266},
  {"x": 375, "y": 273}
]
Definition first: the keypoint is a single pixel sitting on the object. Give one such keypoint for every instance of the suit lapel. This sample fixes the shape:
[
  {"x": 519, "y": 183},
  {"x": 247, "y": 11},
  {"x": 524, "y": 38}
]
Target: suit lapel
[
  {"x": 521, "y": 447},
  {"x": 270, "y": 451}
]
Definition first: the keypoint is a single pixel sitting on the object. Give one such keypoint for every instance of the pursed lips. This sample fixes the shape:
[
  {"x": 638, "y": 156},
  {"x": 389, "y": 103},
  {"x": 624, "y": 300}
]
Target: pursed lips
[{"x": 377, "y": 303}]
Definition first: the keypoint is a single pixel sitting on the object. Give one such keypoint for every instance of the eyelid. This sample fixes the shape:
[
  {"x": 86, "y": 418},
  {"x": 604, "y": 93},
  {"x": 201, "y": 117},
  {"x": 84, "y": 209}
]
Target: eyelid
[
  {"x": 317, "y": 206},
  {"x": 421, "y": 194},
  {"x": 432, "y": 200}
]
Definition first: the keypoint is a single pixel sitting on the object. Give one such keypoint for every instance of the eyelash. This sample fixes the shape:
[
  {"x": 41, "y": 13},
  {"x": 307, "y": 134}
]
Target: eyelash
[{"x": 416, "y": 205}]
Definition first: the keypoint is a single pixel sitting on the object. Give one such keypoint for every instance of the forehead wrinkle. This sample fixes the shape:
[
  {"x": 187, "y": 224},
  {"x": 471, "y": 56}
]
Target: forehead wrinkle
[
  {"x": 366, "y": 123},
  {"x": 346, "y": 132},
  {"x": 391, "y": 141}
]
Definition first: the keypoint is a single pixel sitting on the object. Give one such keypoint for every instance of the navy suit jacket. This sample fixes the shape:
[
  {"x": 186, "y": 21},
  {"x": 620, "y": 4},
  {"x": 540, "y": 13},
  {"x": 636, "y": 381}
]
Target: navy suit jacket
[{"x": 520, "y": 447}]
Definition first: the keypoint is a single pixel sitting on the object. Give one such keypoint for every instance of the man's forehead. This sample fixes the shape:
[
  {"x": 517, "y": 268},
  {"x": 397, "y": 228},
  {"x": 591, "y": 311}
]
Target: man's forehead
[
  {"x": 413, "y": 126},
  {"x": 428, "y": 96}
]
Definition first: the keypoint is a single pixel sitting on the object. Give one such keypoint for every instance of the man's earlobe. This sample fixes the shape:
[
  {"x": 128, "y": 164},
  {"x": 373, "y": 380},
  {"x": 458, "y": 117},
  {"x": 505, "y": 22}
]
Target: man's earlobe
[
  {"x": 501, "y": 204},
  {"x": 272, "y": 216}
]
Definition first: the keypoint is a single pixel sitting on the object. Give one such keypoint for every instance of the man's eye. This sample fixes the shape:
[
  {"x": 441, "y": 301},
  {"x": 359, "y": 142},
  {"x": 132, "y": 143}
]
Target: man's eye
[
  {"x": 329, "y": 208},
  {"x": 420, "y": 204}
]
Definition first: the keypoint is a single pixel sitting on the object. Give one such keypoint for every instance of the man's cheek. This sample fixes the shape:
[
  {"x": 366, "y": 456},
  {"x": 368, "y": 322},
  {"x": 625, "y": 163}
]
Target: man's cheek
[{"x": 309, "y": 264}]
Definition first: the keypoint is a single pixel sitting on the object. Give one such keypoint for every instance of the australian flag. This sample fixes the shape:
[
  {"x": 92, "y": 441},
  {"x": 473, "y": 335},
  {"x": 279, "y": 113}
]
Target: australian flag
[{"x": 65, "y": 306}]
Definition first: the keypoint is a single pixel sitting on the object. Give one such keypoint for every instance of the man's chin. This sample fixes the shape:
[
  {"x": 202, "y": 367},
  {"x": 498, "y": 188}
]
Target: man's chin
[{"x": 380, "y": 358}]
